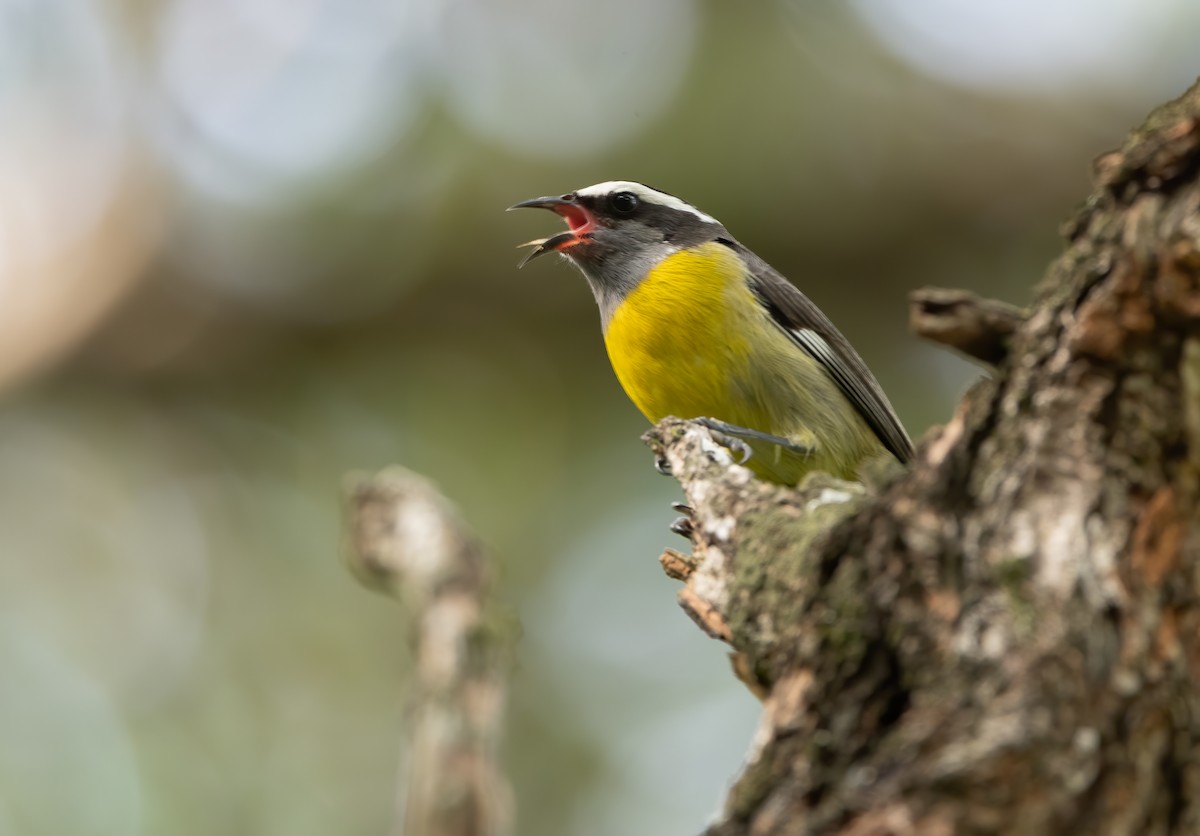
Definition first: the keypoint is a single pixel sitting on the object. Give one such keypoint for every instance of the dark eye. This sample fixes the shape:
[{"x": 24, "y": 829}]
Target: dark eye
[{"x": 623, "y": 202}]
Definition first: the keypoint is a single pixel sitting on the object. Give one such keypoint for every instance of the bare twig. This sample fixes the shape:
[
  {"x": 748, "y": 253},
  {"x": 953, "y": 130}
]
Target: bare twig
[
  {"x": 405, "y": 539},
  {"x": 980, "y": 328}
]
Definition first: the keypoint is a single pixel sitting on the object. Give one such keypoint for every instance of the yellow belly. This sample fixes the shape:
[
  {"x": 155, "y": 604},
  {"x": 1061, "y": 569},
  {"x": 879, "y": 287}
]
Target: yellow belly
[{"x": 692, "y": 340}]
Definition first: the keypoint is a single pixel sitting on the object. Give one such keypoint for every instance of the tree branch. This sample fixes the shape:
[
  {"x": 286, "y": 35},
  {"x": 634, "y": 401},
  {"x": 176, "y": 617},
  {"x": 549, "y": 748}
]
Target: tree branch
[
  {"x": 982, "y": 329},
  {"x": 1005, "y": 639},
  {"x": 406, "y": 540}
]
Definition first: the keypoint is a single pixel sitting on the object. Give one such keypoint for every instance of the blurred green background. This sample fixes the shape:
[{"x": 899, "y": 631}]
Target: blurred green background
[{"x": 249, "y": 245}]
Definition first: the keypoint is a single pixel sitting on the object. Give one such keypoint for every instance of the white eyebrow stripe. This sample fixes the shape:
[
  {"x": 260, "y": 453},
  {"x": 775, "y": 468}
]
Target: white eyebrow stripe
[{"x": 645, "y": 193}]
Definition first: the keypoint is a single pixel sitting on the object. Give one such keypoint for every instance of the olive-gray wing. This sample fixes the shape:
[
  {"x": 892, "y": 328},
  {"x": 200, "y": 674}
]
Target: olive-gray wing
[{"x": 812, "y": 331}]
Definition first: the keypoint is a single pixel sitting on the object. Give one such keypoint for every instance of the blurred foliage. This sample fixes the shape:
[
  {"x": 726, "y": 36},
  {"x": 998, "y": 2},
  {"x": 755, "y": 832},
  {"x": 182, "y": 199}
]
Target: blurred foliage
[{"x": 249, "y": 245}]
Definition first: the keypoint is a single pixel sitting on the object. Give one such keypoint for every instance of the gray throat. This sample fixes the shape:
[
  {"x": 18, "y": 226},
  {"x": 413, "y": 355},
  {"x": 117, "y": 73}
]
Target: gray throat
[{"x": 616, "y": 276}]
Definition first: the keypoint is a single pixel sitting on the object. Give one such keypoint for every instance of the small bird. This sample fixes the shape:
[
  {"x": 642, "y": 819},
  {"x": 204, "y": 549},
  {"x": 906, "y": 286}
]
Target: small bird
[{"x": 698, "y": 326}]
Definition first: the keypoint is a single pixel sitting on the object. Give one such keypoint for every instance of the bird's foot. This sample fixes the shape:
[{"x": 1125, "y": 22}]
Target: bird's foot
[
  {"x": 730, "y": 441},
  {"x": 724, "y": 431}
]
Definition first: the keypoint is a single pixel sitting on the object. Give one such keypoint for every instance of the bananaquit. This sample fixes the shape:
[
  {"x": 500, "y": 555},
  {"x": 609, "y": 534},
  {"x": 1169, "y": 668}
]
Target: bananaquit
[{"x": 698, "y": 326}]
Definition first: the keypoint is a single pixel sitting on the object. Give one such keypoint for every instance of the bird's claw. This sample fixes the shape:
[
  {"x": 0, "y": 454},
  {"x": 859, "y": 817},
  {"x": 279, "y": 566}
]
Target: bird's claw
[
  {"x": 735, "y": 445},
  {"x": 717, "y": 429},
  {"x": 682, "y": 526}
]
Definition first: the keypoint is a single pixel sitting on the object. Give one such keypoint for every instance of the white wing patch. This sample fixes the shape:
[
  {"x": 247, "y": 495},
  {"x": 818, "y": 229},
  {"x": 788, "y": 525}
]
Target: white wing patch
[
  {"x": 647, "y": 194},
  {"x": 816, "y": 345}
]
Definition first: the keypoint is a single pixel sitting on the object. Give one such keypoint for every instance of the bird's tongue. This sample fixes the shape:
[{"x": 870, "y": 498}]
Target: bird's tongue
[{"x": 577, "y": 218}]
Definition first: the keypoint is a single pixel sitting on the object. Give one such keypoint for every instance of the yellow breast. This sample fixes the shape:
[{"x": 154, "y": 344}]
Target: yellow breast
[{"x": 678, "y": 341}]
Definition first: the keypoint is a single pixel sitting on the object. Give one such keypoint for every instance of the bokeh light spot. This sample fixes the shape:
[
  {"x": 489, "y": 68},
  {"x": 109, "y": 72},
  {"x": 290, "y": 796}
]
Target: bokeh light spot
[
  {"x": 270, "y": 93},
  {"x": 565, "y": 79},
  {"x": 1032, "y": 45}
]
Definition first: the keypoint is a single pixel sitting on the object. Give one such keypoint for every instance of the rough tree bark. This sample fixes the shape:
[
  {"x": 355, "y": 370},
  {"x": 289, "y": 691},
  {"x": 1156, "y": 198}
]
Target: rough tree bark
[{"x": 1006, "y": 638}]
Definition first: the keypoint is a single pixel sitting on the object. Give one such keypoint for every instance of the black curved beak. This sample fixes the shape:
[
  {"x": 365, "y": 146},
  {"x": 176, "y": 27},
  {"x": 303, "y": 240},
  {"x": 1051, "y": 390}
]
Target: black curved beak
[{"x": 539, "y": 203}]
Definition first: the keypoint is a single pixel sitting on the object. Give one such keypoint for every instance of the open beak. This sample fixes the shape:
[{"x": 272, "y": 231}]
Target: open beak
[{"x": 578, "y": 218}]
